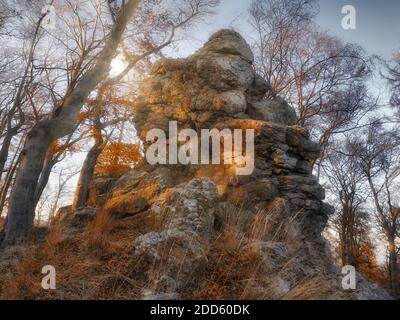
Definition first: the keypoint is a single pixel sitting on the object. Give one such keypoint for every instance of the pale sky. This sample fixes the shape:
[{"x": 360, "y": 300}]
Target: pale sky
[{"x": 378, "y": 24}]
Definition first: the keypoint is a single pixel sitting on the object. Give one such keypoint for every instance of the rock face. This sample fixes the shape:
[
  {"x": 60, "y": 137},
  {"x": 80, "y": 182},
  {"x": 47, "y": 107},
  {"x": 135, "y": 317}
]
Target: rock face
[{"x": 217, "y": 87}]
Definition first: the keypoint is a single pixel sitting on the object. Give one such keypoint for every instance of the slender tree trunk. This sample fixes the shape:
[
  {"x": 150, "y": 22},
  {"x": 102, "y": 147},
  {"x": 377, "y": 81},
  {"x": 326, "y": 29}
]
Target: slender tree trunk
[
  {"x": 393, "y": 267},
  {"x": 82, "y": 189},
  {"x": 4, "y": 150},
  {"x": 9, "y": 178},
  {"x": 85, "y": 178},
  {"x": 39, "y": 139},
  {"x": 44, "y": 177}
]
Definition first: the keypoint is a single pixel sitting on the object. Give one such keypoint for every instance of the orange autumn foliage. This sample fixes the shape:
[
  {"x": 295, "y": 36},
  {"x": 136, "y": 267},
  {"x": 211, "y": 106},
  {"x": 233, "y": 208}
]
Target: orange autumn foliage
[
  {"x": 83, "y": 116},
  {"x": 58, "y": 147},
  {"x": 368, "y": 265},
  {"x": 118, "y": 158}
]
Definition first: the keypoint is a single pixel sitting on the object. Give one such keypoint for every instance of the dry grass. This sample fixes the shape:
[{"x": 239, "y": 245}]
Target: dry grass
[
  {"x": 317, "y": 288},
  {"x": 95, "y": 260},
  {"x": 233, "y": 271},
  {"x": 229, "y": 268},
  {"x": 92, "y": 261}
]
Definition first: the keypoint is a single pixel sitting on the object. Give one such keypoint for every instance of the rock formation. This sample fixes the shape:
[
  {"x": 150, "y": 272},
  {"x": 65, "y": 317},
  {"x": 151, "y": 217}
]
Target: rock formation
[{"x": 278, "y": 209}]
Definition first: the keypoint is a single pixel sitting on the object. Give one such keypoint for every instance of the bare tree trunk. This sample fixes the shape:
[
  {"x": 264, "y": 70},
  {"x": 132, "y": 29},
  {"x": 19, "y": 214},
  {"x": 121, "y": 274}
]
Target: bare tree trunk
[
  {"x": 82, "y": 189},
  {"x": 44, "y": 177},
  {"x": 4, "y": 150},
  {"x": 21, "y": 206},
  {"x": 393, "y": 267},
  {"x": 39, "y": 139},
  {"x": 11, "y": 132},
  {"x": 9, "y": 177}
]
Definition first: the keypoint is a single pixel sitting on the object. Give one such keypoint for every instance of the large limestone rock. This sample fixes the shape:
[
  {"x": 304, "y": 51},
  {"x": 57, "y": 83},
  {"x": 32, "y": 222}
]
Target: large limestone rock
[{"x": 217, "y": 87}]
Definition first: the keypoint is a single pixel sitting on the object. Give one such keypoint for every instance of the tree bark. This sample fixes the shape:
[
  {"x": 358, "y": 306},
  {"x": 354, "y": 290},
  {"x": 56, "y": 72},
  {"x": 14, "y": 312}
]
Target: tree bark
[
  {"x": 393, "y": 267},
  {"x": 82, "y": 189},
  {"x": 11, "y": 132},
  {"x": 21, "y": 206},
  {"x": 39, "y": 139},
  {"x": 9, "y": 178},
  {"x": 44, "y": 177},
  {"x": 4, "y": 151}
]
